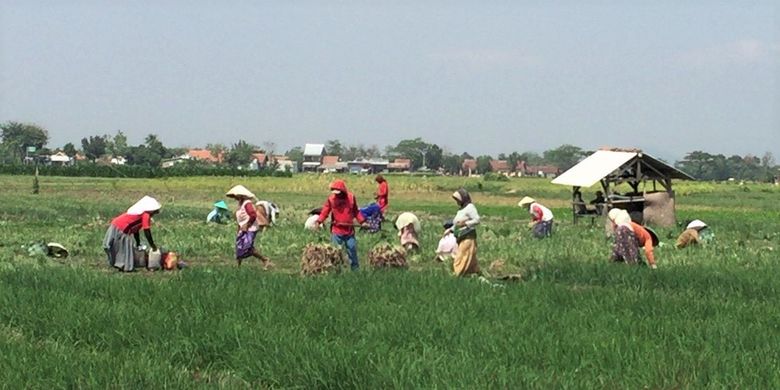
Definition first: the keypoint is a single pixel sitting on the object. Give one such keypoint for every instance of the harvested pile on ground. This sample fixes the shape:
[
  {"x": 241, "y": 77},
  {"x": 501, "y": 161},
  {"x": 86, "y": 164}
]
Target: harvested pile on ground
[
  {"x": 320, "y": 258},
  {"x": 386, "y": 255}
]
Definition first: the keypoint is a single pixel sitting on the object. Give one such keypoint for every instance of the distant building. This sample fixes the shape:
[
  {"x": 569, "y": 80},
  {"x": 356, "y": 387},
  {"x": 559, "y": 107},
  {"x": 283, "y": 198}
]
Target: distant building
[
  {"x": 331, "y": 164},
  {"x": 469, "y": 167},
  {"x": 368, "y": 166},
  {"x": 284, "y": 164},
  {"x": 312, "y": 157},
  {"x": 499, "y": 166},
  {"x": 119, "y": 160},
  {"x": 400, "y": 165},
  {"x": 205, "y": 155},
  {"x": 259, "y": 161},
  {"x": 60, "y": 158},
  {"x": 549, "y": 171}
]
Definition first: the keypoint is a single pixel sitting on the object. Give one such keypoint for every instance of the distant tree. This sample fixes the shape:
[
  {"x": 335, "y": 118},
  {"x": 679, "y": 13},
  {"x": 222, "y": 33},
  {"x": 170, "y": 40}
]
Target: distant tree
[
  {"x": 466, "y": 155},
  {"x": 349, "y": 153},
  {"x": 433, "y": 157},
  {"x": 413, "y": 149},
  {"x": 334, "y": 147},
  {"x": 69, "y": 149},
  {"x": 269, "y": 147},
  {"x": 118, "y": 146},
  {"x": 94, "y": 146},
  {"x": 372, "y": 152},
  {"x": 530, "y": 158},
  {"x": 501, "y": 156},
  {"x": 154, "y": 144},
  {"x": 452, "y": 163},
  {"x": 483, "y": 164},
  {"x": 564, "y": 156},
  {"x": 240, "y": 154},
  {"x": 17, "y": 137},
  {"x": 768, "y": 160}
]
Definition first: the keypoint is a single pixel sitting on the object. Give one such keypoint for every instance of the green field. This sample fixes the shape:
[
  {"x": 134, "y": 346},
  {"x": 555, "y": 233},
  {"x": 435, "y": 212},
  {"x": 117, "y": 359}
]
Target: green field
[{"x": 708, "y": 317}]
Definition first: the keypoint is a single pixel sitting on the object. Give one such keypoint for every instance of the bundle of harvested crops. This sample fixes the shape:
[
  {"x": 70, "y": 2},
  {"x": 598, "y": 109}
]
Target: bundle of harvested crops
[
  {"x": 386, "y": 255},
  {"x": 320, "y": 258}
]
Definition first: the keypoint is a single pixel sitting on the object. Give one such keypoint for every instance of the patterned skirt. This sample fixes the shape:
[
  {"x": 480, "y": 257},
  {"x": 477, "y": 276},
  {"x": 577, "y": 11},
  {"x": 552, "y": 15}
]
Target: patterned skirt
[{"x": 626, "y": 247}]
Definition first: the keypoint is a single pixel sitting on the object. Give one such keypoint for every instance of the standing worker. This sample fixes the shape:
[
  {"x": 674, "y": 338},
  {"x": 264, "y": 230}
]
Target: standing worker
[
  {"x": 465, "y": 230},
  {"x": 246, "y": 218},
  {"x": 342, "y": 208},
  {"x": 541, "y": 217},
  {"x": 382, "y": 193},
  {"x": 118, "y": 244}
]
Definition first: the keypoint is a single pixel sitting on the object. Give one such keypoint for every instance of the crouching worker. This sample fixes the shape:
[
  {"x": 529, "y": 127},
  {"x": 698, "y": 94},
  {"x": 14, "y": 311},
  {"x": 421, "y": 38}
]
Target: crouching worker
[
  {"x": 695, "y": 233},
  {"x": 408, "y": 226},
  {"x": 342, "y": 208},
  {"x": 541, "y": 217},
  {"x": 373, "y": 216},
  {"x": 448, "y": 245},
  {"x": 311, "y": 220},
  {"x": 629, "y": 236},
  {"x": 220, "y": 214},
  {"x": 118, "y": 242},
  {"x": 266, "y": 214},
  {"x": 246, "y": 218}
]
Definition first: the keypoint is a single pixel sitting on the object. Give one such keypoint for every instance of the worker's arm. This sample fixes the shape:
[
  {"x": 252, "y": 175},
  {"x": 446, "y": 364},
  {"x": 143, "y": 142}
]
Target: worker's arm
[
  {"x": 536, "y": 214},
  {"x": 649, "y": 252},
  {"x": 324, "y": 213},
  {"x": 149, "y": 239}
]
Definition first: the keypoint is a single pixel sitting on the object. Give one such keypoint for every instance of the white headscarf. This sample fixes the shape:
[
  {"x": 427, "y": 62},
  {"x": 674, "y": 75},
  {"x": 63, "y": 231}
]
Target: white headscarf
[
  {"x": 405, "y": 219},
  {"x": 146, "y": 204},
  {"x": 620, "y": 217}
]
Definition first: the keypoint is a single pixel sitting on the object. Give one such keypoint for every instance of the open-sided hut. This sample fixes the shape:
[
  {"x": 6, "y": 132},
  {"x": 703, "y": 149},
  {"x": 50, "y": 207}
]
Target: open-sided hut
[{"x": 651, "y": 199}]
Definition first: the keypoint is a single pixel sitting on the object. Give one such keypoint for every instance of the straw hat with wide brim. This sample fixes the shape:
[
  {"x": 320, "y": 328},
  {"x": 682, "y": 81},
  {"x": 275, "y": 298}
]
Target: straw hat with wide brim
[
  {"x": 653, "y": 235},
  {"x": 526, "y": 201},
  {"x": 240, "y": 191},
  {"x": 696, "y": 224}
]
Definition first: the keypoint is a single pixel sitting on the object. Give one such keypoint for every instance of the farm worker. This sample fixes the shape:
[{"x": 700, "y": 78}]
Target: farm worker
[
  {"x": 246, "y": 218},
  {"x": 117, "y": 242},
  {"x": 220, "y": 214},
  {"x": 465, "y": 230},
  {"x": 266, "y": 214},
  {"x": 647, "y": 239},
  {"x": 408, "y": 226},
  {"x": 382, "y": 193},
  {"x": 373, "y": 216},
  {"x": 626, "y": 246},
  {"x": 448, "y": 245},
  {"x": 342, "y": 208},
  {"x": 696, "y": 232},
  {"x": 599, "y": 202},
  {"x": 311, "y": 221},
  {"x": 541, "y": 217}
]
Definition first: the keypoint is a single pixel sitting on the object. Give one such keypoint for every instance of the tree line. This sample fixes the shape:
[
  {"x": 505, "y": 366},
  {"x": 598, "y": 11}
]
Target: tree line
[{"x": 17, "y": 137}]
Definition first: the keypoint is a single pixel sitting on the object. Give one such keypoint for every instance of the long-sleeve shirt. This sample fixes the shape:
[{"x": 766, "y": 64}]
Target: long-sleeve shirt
[
  {"x": 246, "y": 215},
  {"x": 343, "y": 211},
  {"x": 468, "y": 214},
  {"x": 645, "y": 240},
  {"x": 131, "y": 224}
]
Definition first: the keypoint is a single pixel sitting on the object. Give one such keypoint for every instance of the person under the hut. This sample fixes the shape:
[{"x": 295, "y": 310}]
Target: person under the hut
[
  {"x": 465, "y": 230},
  {"x": 372, "y": 213},
  {"x": 341, "y": 206},
  {"x": 220, "y": 214},
  {"x": 409, "y": 229},
  {"x": 697, "y": 232},
  {"x": 448, "y": 245},
  {"x": 382, "y": 194},
  {"x": 246, "y": 218},
  {"x": 626, "y": 246},
  {"x": 579, "y": 204},
  {"x": 266, "y": 214},
  {"x": 124, "y": 231},
  {"x": 541, "y": 217},
  {"x": 311, "y": 220},
  {"x": 598, "y": 202}
]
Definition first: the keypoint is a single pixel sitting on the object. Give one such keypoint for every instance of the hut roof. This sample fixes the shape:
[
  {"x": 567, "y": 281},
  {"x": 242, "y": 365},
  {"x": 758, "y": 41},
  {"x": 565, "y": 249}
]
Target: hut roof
[{"x": 602, "y": 163}]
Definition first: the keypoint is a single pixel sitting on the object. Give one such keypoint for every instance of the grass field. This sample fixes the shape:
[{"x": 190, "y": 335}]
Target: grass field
[{"x": 708, "y": 317}]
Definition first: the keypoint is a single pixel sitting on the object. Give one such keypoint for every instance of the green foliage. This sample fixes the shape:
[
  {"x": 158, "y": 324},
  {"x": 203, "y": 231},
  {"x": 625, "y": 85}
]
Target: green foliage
[
  {"x": 137, "y": 171},
  {"x": 69, "y": 149},
  {"x": 483, "y": 164},
  {"x": 490, "y": 176},
  {"x": 18, "y": 136},
  {"x": 706, "y": 318},
  {"x": 94, "y": 146},
  {"x": 240, "y": 154},
  {"x": 706, "y": 166},
  {"x": 564, "y": 156}
]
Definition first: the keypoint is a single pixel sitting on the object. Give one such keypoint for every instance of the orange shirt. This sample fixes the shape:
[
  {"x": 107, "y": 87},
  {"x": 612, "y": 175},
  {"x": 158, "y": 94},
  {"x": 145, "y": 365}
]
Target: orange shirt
[{"x": 645, "y": 241}]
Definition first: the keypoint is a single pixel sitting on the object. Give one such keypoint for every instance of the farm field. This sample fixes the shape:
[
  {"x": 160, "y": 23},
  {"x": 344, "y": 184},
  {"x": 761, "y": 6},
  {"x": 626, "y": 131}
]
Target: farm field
[{"x": 708, "y": 317}]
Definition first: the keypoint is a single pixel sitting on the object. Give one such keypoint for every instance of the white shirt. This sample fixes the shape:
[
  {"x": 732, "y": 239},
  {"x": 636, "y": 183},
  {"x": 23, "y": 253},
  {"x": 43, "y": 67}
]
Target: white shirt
[
  {"x": 468, "y": 214},
  {"x": 547, "y": 214},
  {"x": 448, "y": 245},
  {"x": 311, "y": 222}
]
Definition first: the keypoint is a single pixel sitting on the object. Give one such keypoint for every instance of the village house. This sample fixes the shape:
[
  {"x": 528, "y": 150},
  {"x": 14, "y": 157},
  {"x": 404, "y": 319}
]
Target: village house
[
  {"x": 468, "y": 167},
  {"x": 312, "y": 157},
  {"x": 368, "y": 166},
  {"x": 331, "y": 164},
  {"x": 400, "y": 165}
]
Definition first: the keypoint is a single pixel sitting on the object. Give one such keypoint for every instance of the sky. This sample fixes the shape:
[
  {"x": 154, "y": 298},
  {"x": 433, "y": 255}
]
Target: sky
[{"x": 479, "y": 76}]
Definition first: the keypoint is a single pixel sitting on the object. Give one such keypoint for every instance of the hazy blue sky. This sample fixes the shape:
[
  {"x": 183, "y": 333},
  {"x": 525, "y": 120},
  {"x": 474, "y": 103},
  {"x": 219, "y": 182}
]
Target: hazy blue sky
[{"x": 481, "y": 76}]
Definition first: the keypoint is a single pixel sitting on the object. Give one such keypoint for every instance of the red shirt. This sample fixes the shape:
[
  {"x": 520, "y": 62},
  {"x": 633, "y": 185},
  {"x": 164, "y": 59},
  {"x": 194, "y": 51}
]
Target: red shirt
[
  {"x": 343, "y": 211},
  {"x": 381, "y": 196},
  {"x": 131, "y": 224}
]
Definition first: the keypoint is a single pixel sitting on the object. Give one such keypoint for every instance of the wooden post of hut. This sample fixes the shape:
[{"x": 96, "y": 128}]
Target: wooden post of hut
[{"x": 612, "y": 167}]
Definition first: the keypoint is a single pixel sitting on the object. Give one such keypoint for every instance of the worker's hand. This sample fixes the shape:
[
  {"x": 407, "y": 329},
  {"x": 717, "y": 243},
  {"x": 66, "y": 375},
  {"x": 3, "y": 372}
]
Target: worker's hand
[
  {"x": 653, "y": 266},
  {"x": 461, "y": 224},
  {"x": 244, "y": 228},
  {"x": 531, "y": 224},
  {"x": 154, "y": 248},
  {"x": 317, "y": 225},
  {"x": 446, "y": 232}
]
